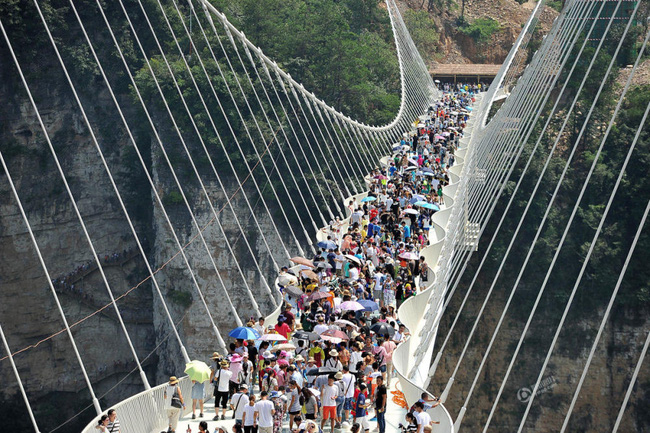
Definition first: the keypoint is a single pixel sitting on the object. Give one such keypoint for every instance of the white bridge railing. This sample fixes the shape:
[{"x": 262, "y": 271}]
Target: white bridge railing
[{"x": 146, "y": 412}]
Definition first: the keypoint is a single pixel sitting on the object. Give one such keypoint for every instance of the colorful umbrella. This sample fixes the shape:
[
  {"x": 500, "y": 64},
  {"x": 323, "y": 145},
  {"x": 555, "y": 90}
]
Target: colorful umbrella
[
  {"x": 244, "y": 333},
  {"x": 351, "y": 306},
  {"x": 328, "y": 245},
  {"x": 302, "y": 261},
  {"x": 198, "y": 370},
  {"x": 369, "y": 305},
  {"x": 318, "y": 295},
  {"x": 335, "y": 333},
  {"x": 408, "y": 256},
  {"x": 427, "y": 205}
]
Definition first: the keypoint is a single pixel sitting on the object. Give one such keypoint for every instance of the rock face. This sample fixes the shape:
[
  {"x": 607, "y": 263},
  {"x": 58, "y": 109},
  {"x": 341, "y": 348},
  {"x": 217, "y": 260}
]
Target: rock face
[
  {"x": 51, "y": 368},
  {"x": 605, "y": 384}
]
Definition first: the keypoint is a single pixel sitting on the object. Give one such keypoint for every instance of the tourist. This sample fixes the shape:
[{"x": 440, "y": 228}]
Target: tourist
[
  {"x": 102, "y": 424},
  {"x": 221, "y": 390},
  {"x": 328, "y": 401},
  {"x": 248, "y": 416},
  {"x": 422, "y": 416},
  {"x": 264, "y": 411},
  {"x": 198, "y": 393},
  {"x": 294, "y": 402},
  {"x": 238, "y": 402},
  {"x": 361, "y": 407},
  {"x": 381, "y": 396},
  {"x": 113, "y": 423},
  {"x": 173, "y": 403}
]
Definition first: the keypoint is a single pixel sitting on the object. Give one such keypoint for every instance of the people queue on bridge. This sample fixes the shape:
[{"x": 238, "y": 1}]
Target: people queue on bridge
[{"x": 329, "y": 356}]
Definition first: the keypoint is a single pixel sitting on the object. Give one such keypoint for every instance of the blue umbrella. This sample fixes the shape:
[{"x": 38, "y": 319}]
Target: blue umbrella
[
  {"x": 427, "y": 205},
  {"x": 368, "y": 305},
  {"x": 416, "y": 198},
  {"x": 367, "y": 199},
  {"x": 244, "y": 333},
  {"x": 328, "y": 245}
]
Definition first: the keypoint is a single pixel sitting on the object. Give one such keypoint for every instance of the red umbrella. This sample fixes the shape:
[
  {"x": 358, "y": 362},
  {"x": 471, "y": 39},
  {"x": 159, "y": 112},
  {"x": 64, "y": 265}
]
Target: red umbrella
[{"x": 336, "y": 334}]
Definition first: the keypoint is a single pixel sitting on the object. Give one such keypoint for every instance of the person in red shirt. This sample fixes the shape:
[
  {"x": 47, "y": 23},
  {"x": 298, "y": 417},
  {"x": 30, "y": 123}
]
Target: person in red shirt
[
  {"x": 289, "y": 318},
  {"x": 282, "y": 328}
]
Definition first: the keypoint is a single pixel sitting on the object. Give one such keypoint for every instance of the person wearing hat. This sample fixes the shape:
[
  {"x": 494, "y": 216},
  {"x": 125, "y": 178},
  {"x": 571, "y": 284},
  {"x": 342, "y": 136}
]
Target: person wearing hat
[
  {"x": 246, "y": 375},
  {"x": 216, "y": 364},
  {"x": 221, "y": 390},
  {"x": 235, "y": 369},
  {"x": 333, "y": 361},
  {"x": 340, "y": 398},
  {"x": 174, "y": 402}
]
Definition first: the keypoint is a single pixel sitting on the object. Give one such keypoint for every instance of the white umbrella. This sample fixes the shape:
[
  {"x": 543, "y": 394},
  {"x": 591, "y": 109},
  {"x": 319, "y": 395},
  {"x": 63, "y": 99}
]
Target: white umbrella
[
  {"x": 411, "y": 211},
  {"x": 345, "y": 323},
  {"x": 287, "y": 280},
  {"x": 272, "y": 337},
  {"x": 352, "y": 258}
]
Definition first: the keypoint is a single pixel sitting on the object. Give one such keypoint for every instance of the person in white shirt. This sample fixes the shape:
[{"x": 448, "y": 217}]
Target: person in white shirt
[
  {"x": 328, "y": 400},
  {"x": 355, "y": 357},
  {"x": 248, "y": 416},
  {"x": 221, "y": 390},
  {"x": 238, "y": 402},
  {"x": 348, "y": 389},
  {"x": 354, "y": 273},
  {"x": 259, "y": 326},
  {"x": 321, "y": 327},
  {"x": 422, "y": 417},
  {"x": 173, "y": 412},
  {"x": 333, "y": 361},
  {"x": 264, "y": 411}
]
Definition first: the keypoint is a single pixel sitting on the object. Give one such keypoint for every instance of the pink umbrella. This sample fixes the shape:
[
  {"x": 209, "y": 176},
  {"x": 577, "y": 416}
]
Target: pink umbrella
[
  {"x": 335, "y": 333},
  {"x": 439, "y": 137},
  {"x": 351, "y": 306},
  {"x": 408, "y": 256}
]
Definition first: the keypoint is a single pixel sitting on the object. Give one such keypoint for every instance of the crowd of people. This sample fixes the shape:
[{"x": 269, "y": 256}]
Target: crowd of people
[
  {"x": 327, "y": 362},
  {"x": 66, "y": 283}
]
